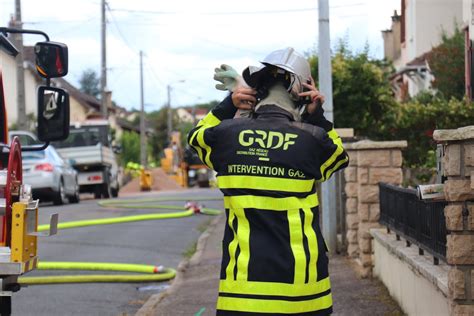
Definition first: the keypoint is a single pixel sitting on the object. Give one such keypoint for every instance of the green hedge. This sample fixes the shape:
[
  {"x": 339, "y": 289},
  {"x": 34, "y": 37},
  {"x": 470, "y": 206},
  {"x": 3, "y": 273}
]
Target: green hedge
[{"x": 415, "y": 121}]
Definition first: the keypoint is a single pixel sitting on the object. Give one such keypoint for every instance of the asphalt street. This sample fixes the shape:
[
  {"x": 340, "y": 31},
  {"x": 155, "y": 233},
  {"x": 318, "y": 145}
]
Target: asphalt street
[{"x": 159, "y": 242}]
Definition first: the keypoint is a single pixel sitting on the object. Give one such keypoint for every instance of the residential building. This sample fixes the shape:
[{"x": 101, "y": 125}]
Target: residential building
[
  {"x": 82, "y": 105},
  {"x": 191, "y": 114},
  {"x": 9, "y": 73},
  {"x": 468, "y": 24},
  {"x": 412, "y": 35}
]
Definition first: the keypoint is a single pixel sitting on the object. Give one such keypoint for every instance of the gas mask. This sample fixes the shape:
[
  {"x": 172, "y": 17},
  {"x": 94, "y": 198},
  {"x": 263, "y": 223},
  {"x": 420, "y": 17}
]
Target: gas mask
[{"x": 285, "y": 66}]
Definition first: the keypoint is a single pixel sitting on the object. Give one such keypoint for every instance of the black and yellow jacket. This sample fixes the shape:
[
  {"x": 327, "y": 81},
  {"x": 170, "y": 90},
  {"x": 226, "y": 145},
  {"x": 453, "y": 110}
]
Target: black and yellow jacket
[{"x": 274, "y": 256}]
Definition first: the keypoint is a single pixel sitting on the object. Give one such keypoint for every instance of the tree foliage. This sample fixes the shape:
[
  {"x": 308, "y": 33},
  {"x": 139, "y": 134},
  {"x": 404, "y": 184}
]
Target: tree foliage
[
  {"x": 417, "y": 119},
  {"x": 158, "y": 121},
  {"x": 362, "y": 97},
  {"x": 446, "y": 62},
  {"x": 130, "y": 148},
  {"x": 90, "y": 83}
]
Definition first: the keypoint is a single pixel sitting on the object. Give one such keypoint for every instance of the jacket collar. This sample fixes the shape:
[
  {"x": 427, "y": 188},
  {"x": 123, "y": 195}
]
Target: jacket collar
[{"x": 272, "y": 111}]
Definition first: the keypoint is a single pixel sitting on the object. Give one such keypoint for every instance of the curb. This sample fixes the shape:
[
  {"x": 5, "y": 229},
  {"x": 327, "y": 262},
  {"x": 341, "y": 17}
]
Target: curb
[{"x": 148, "y": 309}]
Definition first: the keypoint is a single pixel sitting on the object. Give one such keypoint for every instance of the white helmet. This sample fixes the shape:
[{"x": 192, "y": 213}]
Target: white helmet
[{"x": 287, "y": 60}]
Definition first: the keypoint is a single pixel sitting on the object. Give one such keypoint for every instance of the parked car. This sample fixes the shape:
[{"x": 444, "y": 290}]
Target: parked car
[
  {"x": 26, "y": 138},
  {"x": 50, "y": 176}
]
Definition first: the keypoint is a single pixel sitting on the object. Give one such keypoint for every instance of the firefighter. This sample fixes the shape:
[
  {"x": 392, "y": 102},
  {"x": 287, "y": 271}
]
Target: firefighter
[{"x": 274, "y": 256}]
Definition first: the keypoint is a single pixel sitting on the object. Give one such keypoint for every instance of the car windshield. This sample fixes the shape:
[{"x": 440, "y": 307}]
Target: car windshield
[
  {"x": 37, "y": 155},
  {"x": 25, "y": 139},
  {"x": 84, "y": 136}
]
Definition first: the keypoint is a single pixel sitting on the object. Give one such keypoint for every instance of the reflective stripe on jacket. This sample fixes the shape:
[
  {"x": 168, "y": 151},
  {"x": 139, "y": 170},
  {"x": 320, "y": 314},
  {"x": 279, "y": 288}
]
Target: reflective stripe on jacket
[{"x": 274, "y": 256}]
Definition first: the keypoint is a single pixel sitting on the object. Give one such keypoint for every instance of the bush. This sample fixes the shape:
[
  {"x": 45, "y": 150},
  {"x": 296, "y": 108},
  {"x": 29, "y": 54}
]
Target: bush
[
  {"x": 416, "y": 121},
  {"x": 362, "y": 95},
  {"x": 130, "y": 148},
  {"x": 447, "y": 64}
]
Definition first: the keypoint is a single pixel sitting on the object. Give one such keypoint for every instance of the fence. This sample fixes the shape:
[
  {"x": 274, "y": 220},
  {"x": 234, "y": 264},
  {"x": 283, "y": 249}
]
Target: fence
[{"x": 419, "y": 222}]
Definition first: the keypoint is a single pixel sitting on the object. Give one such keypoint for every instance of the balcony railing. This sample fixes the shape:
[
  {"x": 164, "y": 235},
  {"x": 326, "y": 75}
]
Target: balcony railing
[{"x": 419, "y": 222}]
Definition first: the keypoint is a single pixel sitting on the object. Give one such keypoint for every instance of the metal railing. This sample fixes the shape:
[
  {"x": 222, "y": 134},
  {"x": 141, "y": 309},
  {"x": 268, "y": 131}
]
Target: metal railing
[{"x": 419, "y": 222}]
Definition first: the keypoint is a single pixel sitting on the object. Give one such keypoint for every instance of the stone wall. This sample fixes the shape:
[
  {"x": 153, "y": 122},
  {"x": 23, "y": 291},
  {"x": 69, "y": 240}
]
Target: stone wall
[
  {"x": 352, "y": 219},
  {"x": 458, "y": 167},
  {"x": 370, "y": 163}
]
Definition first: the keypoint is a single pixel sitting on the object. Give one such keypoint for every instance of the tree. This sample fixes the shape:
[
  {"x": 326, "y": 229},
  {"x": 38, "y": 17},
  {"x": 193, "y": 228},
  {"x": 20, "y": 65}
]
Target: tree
[
  {"x": 446, "y": 61},
  {"x": 130, "y": 148},
  {"x": 362, "y": 95},
  {"x": 159, "y": 122},
  {"x": 90, "y": 83}
]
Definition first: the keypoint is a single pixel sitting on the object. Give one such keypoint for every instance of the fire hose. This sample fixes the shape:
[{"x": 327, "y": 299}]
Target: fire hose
[{"x": 144, "y": 273}]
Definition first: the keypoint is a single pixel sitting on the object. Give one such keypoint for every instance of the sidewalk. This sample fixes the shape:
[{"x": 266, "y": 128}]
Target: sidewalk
[{"x": 194, "y": 291}]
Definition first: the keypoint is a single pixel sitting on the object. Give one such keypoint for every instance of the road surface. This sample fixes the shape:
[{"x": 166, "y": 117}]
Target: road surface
[{"x": 161, "y": 242}]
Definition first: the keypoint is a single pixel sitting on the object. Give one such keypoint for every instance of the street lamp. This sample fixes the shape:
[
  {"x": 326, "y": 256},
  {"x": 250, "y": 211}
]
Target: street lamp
[{"x": 170, "y": 121}]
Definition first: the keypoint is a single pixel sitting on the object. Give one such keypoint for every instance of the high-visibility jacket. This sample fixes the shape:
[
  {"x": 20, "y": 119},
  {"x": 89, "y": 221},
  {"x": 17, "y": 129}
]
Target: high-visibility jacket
[{"x": 274, "y": 256}]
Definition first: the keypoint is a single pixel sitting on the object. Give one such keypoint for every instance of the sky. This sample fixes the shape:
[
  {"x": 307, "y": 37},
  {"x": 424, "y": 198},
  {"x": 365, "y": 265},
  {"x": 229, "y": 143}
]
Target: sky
[{"x": 184, "y": 40}]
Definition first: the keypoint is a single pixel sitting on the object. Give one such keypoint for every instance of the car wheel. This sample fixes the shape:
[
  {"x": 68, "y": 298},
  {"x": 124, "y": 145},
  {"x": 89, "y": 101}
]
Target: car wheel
[
  {"x": 98, "y": 191},
  {"x": 75, "y": 198},
  {"x": 106, "y": 188},
  {"x": 60, "y": 196},
  {"x": 115, "y": 191}
]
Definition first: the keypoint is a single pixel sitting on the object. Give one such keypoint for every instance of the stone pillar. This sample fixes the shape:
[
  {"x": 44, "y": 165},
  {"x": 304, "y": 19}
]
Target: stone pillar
[
  {"x": 374, "y": 162},
  {"x": 352, "y": 219},
  {"x": 458, "y": 167}
]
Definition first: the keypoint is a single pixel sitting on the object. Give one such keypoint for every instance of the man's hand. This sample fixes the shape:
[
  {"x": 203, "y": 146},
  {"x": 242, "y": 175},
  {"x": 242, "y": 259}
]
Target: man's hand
[
  {"x": 317, "y": 99},
  {"x": 244, "y": 98}
]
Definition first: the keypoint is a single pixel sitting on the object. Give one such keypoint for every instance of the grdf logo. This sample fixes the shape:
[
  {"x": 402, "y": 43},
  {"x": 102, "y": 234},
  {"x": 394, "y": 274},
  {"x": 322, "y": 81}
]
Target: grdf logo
[{"x": 267, "y": 140}]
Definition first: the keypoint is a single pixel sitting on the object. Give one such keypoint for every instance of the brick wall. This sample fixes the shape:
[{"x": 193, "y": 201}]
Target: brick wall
[{"x": 458, "y": 167}]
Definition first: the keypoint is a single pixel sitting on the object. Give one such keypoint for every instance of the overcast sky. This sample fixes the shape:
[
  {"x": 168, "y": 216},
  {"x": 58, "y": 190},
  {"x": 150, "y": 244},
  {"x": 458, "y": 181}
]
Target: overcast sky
[{"x": 186, "y": 39}]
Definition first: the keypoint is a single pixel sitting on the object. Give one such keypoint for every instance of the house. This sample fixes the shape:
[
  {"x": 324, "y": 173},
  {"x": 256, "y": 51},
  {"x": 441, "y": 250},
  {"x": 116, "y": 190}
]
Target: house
[
  {"x": 191, "y": 114},
  {"x": 412, "y": 35},
  {"x": 82, "y": 105},
  {"x": 32, "y": 81},
  {"x": 468, "y": 24}
]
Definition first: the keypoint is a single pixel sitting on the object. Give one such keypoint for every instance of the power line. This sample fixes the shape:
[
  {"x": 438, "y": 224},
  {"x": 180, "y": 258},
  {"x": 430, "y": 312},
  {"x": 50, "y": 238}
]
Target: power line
[
  {"x": 72, "y": 28},
  {"x": 237, "y": 12},
  {"x": 114, "y": 21},
  {"x": 161, "y": 83}
]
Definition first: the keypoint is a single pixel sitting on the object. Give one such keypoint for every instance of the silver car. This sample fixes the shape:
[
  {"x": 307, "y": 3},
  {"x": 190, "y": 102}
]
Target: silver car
[{"x": 50, "y": 176}]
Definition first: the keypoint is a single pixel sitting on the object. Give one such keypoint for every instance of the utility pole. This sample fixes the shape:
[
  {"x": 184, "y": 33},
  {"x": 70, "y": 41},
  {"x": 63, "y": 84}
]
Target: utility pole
[
  {"x": 170, "y": 118},
  {"x": 328, "y": 188},
  {"x": 103, "y": 67},
  {"x": 143, "y": 159},
  {"x": 20, "y": 71}
]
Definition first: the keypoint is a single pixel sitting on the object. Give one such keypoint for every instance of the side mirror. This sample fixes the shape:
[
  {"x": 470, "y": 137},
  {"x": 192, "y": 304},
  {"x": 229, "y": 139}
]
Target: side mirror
[
  {"x": 53, "y": 114},
  {"x": 117, "y": 149},
  {"x": 51, "y": 59}
]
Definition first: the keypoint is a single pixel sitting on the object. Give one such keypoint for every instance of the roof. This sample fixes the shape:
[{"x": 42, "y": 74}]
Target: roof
[
  {"x": 83, "y": 98},
  {"x": 127, "y": 125},
  {"x": 7, "y": 46},
  {"x": 198, "y": 111},
  {"x": 417, "y": 65},
  {"x": 29, "y": 54},
  {"x": 130, "y": 126},
  {"x": 420, "y": 61}
]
